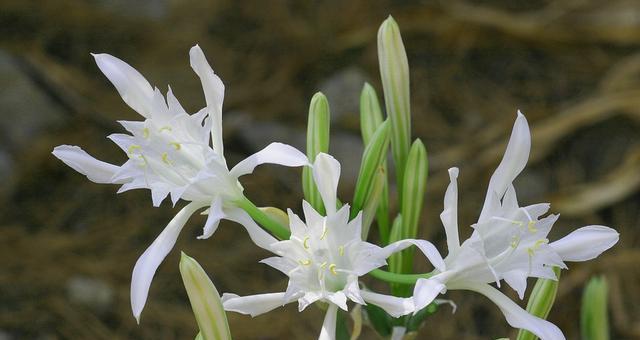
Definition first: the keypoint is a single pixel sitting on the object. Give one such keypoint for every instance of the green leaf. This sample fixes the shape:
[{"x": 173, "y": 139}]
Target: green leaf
[
  {"x": 205, "y": 300},
  {"x": 379, "y": 319},
  {"x": 394, "y": 71},
  {"x": 374, "y": 196},
  {"x": 414, "y": 186},
  {"x": 317, "y": 141},
  {"x": 594, "y": 319},
  {"x": 370, "y": 120},
  {"x": 540, "y": 301},
  {"x": 372, "y": 158}
]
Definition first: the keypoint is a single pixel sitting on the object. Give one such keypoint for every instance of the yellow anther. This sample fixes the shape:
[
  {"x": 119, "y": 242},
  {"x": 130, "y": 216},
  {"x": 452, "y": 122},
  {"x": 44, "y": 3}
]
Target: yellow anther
[
  {"x": 539, "y": 243},
  {"x": 332, "y": 269},
  {"x": 175, "y": 145},
  {"x": 515, "y": 240},
  {"x": 165, "y": 158},
  {"x": 323, "y": 264},
  {"x": 305, "y": 243},
  {"x": 165, "y": 128},
  {"x": 341, "y": 250},
  {"x": 532, "y": 227},
  {"x": 133, "y": 148},
  {"x": 145, "y": 133},
  {"x": 143, "y": 159},
  {"x": 305, "y": 262}
]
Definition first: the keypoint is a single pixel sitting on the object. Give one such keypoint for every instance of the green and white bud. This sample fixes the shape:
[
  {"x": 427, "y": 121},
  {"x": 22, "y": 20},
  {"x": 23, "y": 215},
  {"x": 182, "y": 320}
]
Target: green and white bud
[
  {"x": 317, "y": 141},
  {"x": 540, "y": 302},
  {"x": 594, "y": 320}
]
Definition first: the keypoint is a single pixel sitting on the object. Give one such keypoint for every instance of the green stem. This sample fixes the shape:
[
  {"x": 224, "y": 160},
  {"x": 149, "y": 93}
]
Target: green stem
[
  {"x": 263, "y": 219},
  {"x": 409, "y": 279}
]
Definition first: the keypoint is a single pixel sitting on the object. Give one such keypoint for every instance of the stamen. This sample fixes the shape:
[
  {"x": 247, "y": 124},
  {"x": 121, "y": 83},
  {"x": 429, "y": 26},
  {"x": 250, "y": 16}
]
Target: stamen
[
  {"x": 341, "y": 250},
  {"x": 324, "y": 229},
  {"x": 332, "y": 269},
  {"x": 515, "y": 241},
  {"x": 145, "y": 133},
  {"x": 165, "y": 158},
  {"x": 518, "y": 223},
  {"x": 305, "y": 262},
  {"x": 531, "y": 226},
  {"x": 165, "y": 128},
  {"x": 305, "y": 243},
  {"x": 176, "y": 145},
  {"x": 133, "y": 148},
  {"x": 323, "y": 264}
]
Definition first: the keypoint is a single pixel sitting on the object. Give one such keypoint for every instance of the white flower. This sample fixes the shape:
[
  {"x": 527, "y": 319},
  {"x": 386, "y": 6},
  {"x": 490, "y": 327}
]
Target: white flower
[
  {"x": 325, "y": 257},
  {"x": 170, "y": 154},
  {"x": 508, "y": 242}
]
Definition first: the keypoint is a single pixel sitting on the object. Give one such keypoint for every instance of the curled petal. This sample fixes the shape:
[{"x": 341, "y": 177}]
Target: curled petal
[
  {"x": 425, "y": 291},
  {"x": 426, "y": 247},
  {"x": 260, "y": 237},
  {"x": 585, "y": 243},
  {"x": 274, "y": 153},
  {"x": 395, "y": 306},
  {"x": 514, "y": 160},
  {"x": 213, "y": 93},
  {"x": 515, "y": 315},
  {"x": 148, "y": 263},
  {"x": 449, "y": 216},
  {"x": 326, "y": 173},
  {"x": 134, "y": 89},
  {"x": 253, "y": 304},
  {"x": 213, "y": 220},
  {"x": 96, "y": 171}
]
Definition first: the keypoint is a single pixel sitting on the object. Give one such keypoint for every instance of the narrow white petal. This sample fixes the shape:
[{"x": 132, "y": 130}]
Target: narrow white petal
[
  {"x": 585, "y": 243},
  {"x": 517, "y": 279},
  {"x": 260, "y": 237},
  {"x": 352, "y": 291},
  {"x": 398, "y": 332},
  {"x": 426, "y": 247},
  {"x": 296, "y": 225},
  {"x": 513, "y": 162},
  {"x": 449, "y": 216},
  {"x": 96, "y": 171},
  {"x": 328, "y": 331},
  {"x": 274, "y": 153},
  {"x": 175, "y": 108},
  {"x": 253, "y": 304},
  {"x": 338, "y": 299},
  {"x": 326, "y": 173},
  {"x": 148, "y": 263},
  {"x": 395, "y": 306},
  {"x": 425, "y": 291},
  {"x": 134, "y": 89},
  {"x": 213, "y": 93},
  {"x": 280, "y": 263},
  {"x": 515, "y": 315},
  {"x": 213, "y": 220}
]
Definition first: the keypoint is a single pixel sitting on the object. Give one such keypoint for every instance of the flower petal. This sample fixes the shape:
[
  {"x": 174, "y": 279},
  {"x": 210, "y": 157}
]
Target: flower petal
[
  {"x": 213, "y": 93},
  {"x": 426, "y": 247},
  {"x": 149, "y": 261},
  {"x": 585, "y": 243},
  {"x": 339, "y": 299},
  {"x": 513, "y": 162},
  {"x": 449, "y": 216},
  {"x": 425, "y": 292},
  {"x": 260, "y": 237},
  {"x": 253, "y": 304},
  {"x": 517, "y": 279},
  {"x": 515, "y": 315},
  {"x": 274, "y": 153},
  {"x": 134, "y": 89},
  {"x": 328, "y": 331},
  {"x": 213, "y": 220},
  {"x": 96, "y": 171},
  {"x": 326, "y": 173},
  {"x": 395, "y": 306}
]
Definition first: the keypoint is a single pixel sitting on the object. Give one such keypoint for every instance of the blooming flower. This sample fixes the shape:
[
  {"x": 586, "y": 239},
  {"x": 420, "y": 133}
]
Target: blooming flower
[
  {"x": 508, "y": 242},
  {"x": 174, "y": 153},
  {"x": 324, "y": 258}
]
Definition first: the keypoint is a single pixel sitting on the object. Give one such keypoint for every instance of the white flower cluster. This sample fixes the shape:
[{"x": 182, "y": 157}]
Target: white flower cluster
[{"x": 180, "y": 155}]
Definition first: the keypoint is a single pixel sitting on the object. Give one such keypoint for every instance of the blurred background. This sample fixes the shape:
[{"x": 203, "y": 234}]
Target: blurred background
[{"x": 67, "y": 246}]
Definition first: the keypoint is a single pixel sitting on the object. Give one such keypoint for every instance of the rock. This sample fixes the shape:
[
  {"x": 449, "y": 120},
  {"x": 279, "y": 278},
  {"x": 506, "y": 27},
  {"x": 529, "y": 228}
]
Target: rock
[
  {"x": 343, "y": 92},
  {"x": 91, "y": 292}
]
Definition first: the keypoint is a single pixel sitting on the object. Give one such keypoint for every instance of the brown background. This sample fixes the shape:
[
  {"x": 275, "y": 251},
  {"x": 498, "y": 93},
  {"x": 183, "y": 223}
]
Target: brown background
[{"x": 67, "y": 246}]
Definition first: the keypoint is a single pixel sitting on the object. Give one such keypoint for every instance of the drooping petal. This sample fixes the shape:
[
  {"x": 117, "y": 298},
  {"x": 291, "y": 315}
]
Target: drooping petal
[
  {"x": 260, "y": 237},
  {"x": 585, "y": 243},
  {"x": 134, "y": 89},
  {"x": 253, "y": 304},
  {"x": 516, "y": 279},
  {"x": 515, "y": 315},
  {"x": 213, "y": 93},
  {"x": 149, "y": 261},
  {"x": 513, "y": 162},
  {"x": 274, "y": 153},
  {"x": 426, "y": 247},
  {"x": 326, "y": 173},
  {"x": 449, "y": 216},
  {"x": 96, "y": 171},
  {"x": 328, "y": 331},
  {"x": 425, "y": 291},
  {"x": 282, "y": 264},
  {"x": 339, "y": 299},
  {"x": 352, "y": 291},
  {"x": 395, "y": 306},
  {"x": 213, "y": 220}
]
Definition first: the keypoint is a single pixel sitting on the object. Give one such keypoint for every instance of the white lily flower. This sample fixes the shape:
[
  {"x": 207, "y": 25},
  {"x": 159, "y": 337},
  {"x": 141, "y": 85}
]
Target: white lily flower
[
  {"x": 325, "y": 257},
  {"x": 508, "y": 242},
  {"x": 170, "y": 153}
]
